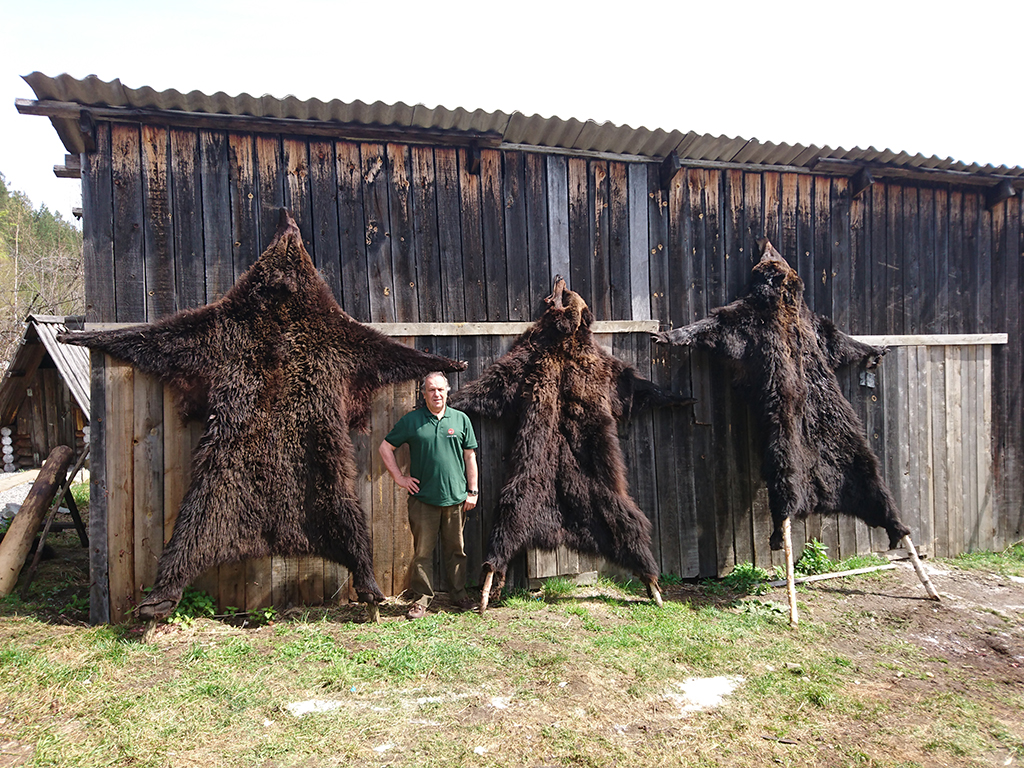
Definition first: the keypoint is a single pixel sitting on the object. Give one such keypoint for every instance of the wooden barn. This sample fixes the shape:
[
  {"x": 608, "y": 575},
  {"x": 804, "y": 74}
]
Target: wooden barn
[
  {"x": 44, "y": 394},
  {"x": 445, "y": 228}
]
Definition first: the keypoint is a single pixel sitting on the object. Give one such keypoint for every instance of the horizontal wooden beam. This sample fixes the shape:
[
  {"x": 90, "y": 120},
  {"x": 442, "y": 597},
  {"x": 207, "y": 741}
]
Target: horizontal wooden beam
[
  {"x": 66, "y": 172},
  {"x": 840, "y": 167},
  {"x": 936, "y": 340},
  {"x": 633, "y": 326},
  {"x": 503, "y": 329},
  {"x": 459, "y": 329},
  {"x": 66, "y": 110},
  {"x": 718, "y": 165},
  {"x": 462, "y": 329},
  {"x": 833, "y": 575}
]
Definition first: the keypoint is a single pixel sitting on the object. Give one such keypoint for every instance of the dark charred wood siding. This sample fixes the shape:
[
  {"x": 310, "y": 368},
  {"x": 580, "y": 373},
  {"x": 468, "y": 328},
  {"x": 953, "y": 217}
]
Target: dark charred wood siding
[{"x": 414, "y": 233}]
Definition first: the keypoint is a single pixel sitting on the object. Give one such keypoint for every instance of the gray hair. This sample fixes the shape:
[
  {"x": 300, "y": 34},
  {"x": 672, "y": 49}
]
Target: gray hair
[{"x": 431, "y": 375}]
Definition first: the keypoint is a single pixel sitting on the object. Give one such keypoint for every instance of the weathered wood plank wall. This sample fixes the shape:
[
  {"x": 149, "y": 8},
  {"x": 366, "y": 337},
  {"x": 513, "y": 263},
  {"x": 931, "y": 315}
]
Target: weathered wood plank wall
[{"x": 408, "y": 234}]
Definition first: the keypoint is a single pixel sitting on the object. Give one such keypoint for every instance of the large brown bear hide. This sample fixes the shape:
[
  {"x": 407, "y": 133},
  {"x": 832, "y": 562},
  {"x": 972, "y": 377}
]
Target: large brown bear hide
[
  {"x": 281, "y": 374},
  {"x": 566, "y": 482},
  {"x": 784, "y": 357}
]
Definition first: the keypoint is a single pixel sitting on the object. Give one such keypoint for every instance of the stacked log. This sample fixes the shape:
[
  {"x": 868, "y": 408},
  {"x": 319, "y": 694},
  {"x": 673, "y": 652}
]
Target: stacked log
[
  {"x": 7, "y": 442},
  {"x": 24, "y": 454}
]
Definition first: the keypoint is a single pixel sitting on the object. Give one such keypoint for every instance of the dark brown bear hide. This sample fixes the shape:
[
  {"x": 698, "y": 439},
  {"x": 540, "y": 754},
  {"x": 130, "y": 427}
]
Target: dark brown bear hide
[
  {"x": 784, "y": 357},
  {"x": 567, "y": 482},
  {"x": 280, "y": 374}
]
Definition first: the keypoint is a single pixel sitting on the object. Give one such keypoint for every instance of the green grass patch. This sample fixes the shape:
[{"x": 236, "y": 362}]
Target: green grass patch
[
  {"x": 1008, "y": 562},
  {"x": 557, "y": 587},
  {"x": 590, "y": 679},
  {"x": 80, "y": 493}
]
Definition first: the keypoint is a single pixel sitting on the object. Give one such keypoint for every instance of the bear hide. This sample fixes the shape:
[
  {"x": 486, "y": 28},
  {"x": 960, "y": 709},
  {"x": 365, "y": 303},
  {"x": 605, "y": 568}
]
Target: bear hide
[
  {"x": 281, "y": 375},
  {"x": 783, "y": 357},
  {"x": 567, "y": 481}
]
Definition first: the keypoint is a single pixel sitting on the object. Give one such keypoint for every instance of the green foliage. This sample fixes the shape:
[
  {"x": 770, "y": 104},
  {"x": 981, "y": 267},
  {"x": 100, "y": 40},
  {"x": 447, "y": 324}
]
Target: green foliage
[
  {"x": 40, "y": 265},
  {"x": 764, "y": 609},
  {"x": 80, "y": 493},
  {"x": 194, "y": 604},
  {"x": 745, "y": 579},
  {"x": 262, "y": 616},
  {"x": 77, "y": 604},
  {"x": 813, "y": 560}
]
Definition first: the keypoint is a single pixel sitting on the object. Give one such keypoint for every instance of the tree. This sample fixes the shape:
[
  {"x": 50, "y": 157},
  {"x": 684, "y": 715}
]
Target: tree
[{"x": 40, "y": 266}]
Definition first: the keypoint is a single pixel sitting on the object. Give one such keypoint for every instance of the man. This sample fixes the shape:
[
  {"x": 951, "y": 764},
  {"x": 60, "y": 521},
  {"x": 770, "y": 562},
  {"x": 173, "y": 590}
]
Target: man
[{"x": 442, "y": 484}]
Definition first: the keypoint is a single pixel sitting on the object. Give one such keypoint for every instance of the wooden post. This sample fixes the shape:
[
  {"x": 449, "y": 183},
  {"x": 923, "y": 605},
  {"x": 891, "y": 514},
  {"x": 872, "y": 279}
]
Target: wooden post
[
  {"x": 655, "y": 592},
  {"x": 16, "y": 544},
  {"x": 485, "y": 593},
  {"x": 918, "y": 568},
  {"x": 63, "y": 493},
  {"x": 787, "y": 540}
]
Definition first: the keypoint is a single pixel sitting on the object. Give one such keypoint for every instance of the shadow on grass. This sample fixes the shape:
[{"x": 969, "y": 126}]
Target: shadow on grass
[
  {"x": 59, "y": 591},
  {"x": 835, "y": 589}
]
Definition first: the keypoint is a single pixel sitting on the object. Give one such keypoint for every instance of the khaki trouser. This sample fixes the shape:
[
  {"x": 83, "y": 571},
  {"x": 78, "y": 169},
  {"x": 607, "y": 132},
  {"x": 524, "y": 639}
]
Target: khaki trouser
[{"x": 426, "y": 521}]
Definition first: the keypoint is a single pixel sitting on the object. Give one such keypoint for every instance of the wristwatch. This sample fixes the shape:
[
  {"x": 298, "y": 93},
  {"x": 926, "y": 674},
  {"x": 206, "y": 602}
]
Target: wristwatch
[{"x": 472, "y": 493}]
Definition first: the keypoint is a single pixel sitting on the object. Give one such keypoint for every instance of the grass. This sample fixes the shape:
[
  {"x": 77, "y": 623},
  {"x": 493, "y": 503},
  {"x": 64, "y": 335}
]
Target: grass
[
  {"x": 582, "y": 676},
  {"x": 749, "y": 579},
  {"x": 80, "y": 493},
  {"x": 1009, "y": 562}
]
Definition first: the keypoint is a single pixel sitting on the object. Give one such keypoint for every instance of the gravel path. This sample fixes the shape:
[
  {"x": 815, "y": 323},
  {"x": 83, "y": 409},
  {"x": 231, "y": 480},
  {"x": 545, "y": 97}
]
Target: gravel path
[{"x": 15, "y": 494}]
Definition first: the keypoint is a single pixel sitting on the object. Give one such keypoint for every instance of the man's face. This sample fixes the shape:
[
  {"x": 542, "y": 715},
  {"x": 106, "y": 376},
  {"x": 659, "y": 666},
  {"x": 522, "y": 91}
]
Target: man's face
[{"x": 435, "y": 393}]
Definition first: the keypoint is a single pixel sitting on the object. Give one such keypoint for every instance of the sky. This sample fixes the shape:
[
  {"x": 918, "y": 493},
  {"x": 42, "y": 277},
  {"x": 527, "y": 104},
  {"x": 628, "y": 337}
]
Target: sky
[{"x": 926, "y": 78}]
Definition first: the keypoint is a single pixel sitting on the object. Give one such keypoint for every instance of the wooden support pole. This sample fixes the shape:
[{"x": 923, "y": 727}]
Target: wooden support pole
[
  {"x": 787, "y": 541},
  {"x": 655, "y": 593},
  {"x": 918, "y": 568},
  {"x": 16, "y": 544},
  {"x": 373, "y": 613},
  {"x": 149, "y": 632},
  {"x": 30, "y": 574},
  {"x": 485, "y": 593}
]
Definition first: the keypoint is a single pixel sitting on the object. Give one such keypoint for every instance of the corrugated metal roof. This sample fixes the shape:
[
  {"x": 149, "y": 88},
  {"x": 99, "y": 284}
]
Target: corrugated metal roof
[
  {"x": 72, "y": 361},
  {"x": 515, "y": 129},
  {"x": 72, "y": 364}
]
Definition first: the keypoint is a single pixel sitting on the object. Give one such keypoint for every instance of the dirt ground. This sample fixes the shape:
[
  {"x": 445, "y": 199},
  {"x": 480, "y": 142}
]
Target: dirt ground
[
  {"x": 977, "y": 627},
  {"x": 971, "y": 645}
]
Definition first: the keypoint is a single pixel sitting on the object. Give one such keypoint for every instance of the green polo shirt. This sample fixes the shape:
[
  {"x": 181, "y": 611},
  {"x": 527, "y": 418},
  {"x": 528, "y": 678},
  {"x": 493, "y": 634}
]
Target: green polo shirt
[{"x": 435, "y": 453}]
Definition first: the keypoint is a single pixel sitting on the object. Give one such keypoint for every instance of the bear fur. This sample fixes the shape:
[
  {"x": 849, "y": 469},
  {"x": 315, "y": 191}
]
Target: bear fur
[
  {"x": 281, "y": 375},
  {"x": 567, "y": 480},
  {"x": 816, "y": 459}
]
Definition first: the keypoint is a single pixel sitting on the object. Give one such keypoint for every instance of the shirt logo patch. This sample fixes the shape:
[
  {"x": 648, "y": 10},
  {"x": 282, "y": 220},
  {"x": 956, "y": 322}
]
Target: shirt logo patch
[{"x": 451, "y": 431}]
